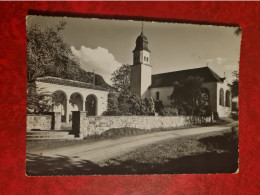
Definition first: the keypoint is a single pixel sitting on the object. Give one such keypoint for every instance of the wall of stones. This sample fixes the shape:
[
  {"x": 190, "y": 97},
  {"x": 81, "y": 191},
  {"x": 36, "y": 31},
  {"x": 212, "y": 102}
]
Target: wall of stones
[
  {"x": 47, "y": 121},
  {"x": 42, "y": 122},
  {"x": 84, "y": 125}
]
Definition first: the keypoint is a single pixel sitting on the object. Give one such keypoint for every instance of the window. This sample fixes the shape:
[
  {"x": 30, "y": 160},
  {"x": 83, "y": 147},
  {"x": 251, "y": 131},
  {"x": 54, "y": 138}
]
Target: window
[
  {"x": 221, "y": 97},
  {"x": 147, "y": 59},
  {"x": 144, "y": 58},
  {"x": 157, "y": 95},
  {"x": 227, "y": 98}
]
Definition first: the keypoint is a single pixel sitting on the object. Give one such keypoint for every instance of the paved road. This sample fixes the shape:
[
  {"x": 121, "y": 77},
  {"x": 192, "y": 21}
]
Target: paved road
[{"x": 102, "y": 150}]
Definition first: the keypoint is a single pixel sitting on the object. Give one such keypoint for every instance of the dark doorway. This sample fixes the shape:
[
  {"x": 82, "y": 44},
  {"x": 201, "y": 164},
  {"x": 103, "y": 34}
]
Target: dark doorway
[{"x": 91, "y": 104}]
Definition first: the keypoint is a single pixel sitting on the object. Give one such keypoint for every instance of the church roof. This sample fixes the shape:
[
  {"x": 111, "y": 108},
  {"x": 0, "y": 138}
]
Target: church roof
[
  {"x": 66, "y": 82},
  {"x": 141, "y": 43},
  {"x": 167, "y": 79}
]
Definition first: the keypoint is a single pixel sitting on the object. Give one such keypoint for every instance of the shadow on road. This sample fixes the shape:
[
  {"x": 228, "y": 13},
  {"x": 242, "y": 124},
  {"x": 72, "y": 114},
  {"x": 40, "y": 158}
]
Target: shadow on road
[{"x": 62, "y": 165}]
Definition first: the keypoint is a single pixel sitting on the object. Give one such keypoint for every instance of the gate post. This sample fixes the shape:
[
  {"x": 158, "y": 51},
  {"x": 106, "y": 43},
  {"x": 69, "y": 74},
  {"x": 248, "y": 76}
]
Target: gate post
[
  {"x": 77, "y": 123},
  {"x": 56, "y": 120}
]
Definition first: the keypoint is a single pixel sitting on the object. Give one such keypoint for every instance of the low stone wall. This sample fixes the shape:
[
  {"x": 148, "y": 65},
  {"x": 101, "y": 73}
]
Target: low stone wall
[
  {"x": 46, "y": 121},
  {"x": 84, "y": 125}
]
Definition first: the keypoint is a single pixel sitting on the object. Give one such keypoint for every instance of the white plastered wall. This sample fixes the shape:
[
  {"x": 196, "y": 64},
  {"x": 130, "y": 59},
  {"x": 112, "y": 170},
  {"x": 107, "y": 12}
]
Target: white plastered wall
[
  {"x": 223, "y": 111},
  {"x": 101, "y": 96}
]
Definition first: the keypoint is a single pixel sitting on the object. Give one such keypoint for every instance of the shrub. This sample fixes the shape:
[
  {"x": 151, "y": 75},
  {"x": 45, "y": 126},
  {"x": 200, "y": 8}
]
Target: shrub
[
  {"x": 158, "y": 106},
  {"x": 216, "y": 116},
  {"x": 169, "y": 111}
]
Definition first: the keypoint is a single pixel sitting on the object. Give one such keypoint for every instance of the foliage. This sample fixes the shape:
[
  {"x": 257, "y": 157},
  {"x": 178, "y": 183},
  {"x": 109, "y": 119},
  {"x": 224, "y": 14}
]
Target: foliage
[
  {"x": 37, "y": 101},
  {"x": 128, "y": 104},
  {"x": 49, "y": 55},
  {"x": 169, "y": 111},
  {"x": 112, "y": 101},
  {"x": 189, "y": 97},
  {"x": 158, "y": 106},
  {"x": 234, "y": 86},
  {"x": 121, "y": 78}
]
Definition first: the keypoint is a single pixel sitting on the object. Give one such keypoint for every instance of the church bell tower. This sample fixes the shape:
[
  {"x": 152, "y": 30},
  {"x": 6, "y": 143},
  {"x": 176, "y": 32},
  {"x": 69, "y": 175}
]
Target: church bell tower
[{"x": 141, "y": 70}]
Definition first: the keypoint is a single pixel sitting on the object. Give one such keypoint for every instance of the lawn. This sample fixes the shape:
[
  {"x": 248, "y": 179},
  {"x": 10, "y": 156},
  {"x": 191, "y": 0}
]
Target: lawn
[{"x": 208, "y": 153}]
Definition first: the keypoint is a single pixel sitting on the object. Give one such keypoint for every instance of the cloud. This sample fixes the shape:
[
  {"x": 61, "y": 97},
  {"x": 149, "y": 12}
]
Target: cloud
[
  {"x": 220, "y": 60},
  {"x": 99, "y": 59},
  {"x": 232, "y": 67},
  {"x": 217, "y": 60}
]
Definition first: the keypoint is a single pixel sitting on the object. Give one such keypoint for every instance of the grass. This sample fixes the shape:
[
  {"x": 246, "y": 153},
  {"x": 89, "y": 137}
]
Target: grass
[{"x": 208, "y": 153}]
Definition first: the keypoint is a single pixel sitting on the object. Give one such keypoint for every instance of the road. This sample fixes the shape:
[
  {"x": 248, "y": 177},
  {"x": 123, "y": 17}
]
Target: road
[{"x": 103, "y": 150}]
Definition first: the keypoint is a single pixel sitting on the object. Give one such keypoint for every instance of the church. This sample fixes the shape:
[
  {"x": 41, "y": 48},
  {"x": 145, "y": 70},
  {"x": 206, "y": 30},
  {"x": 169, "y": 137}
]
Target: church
[{"x": 160, "y": 86}]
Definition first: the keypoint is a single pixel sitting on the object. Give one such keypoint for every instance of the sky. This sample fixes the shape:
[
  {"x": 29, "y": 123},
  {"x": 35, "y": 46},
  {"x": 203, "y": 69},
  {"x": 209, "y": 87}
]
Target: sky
[{"x": 105, "y": 44}]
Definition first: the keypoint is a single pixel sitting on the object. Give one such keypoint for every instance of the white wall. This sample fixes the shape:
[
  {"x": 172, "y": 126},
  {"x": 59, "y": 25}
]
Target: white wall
[
  {"x": 213, "y": 88},
  {"x": 49, "y": 88},
  {"x": 143, "y": 54},
  {"x": 141, "y": 79},
  {"x": 223, "y": 111},
  {"x": 164, "y": 92},
  {"x": 146, "y": 79}
]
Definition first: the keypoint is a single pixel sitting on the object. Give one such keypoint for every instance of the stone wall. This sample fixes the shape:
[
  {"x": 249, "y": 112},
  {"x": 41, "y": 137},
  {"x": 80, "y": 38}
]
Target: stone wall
[
  {"x": 84, "y": 125},
  {"x": 46, "y": 121}
]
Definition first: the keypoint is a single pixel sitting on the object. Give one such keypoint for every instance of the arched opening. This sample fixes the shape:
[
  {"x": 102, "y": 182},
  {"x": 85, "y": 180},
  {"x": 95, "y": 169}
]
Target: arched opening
[
  {"x": 221, "y": 97},
  {"x": 76, "y": 103},
  {"x": 59, "y": 103},
  {"x": 227, "y": 98},
  {"x": 91, "y": 105}
]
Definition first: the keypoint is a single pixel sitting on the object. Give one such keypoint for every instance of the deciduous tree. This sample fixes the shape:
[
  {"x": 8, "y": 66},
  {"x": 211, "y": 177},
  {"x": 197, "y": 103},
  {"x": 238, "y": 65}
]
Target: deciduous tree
[
  {"x": 189, "y": 97},
  {"x": 121, "y": 78},
  {"x": 234, "y": 85}
]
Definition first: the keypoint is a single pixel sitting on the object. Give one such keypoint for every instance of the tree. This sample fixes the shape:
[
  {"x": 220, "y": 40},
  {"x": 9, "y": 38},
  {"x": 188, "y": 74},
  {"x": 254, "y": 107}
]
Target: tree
[
  {"x": 234, "y": 85},
  {"x": 37, "y": 101},
  {"x": 121, "y": 78},
  {"x": 188, "y": 96},
  {"x": 49, "y": 55},
  {"x": 112, "y": 104}
]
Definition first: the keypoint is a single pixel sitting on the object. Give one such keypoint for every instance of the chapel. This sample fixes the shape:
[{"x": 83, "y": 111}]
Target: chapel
[{"x": 160, "y": 86}]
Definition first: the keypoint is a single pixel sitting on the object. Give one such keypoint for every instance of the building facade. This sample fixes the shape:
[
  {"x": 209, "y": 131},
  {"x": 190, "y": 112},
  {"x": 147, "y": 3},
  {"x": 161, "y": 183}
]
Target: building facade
[
  {"x": 69, "y": 95},
  {"x": 160, "y": 86}
]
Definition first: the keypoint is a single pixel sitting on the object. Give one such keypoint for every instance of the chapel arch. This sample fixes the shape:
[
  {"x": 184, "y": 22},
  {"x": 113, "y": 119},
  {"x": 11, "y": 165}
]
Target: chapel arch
[
  {"x": 91, "y": 105},
  {"x": 76, "y": 101},
  {"x": 59, "y": 100}
]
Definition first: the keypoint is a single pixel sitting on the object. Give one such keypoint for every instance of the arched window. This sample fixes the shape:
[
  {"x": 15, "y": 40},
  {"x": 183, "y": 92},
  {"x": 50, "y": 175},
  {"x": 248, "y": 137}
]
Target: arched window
[
  {"x": 227, "y": 98},
  {"x": 221, "y": 97}
]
